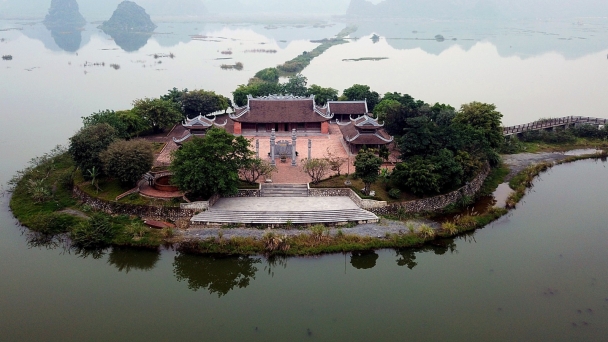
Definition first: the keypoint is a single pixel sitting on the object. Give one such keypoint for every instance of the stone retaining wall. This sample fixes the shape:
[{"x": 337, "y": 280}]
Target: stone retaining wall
[
  {"x": 201, "y": 205},
  {"x": 417, "y": 206},
  {"x": 246, "y": 193},
  {"x": 151, "y": 212}
]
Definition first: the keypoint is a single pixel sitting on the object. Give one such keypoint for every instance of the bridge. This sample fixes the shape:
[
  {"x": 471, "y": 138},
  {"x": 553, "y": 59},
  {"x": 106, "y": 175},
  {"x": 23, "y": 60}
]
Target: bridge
[{"x": 551, "y": 124}]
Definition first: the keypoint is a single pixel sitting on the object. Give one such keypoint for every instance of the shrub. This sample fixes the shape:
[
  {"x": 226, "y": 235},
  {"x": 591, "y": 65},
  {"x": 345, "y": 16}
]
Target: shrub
[
  {"x": 450, "y": 228},
  {"x": 127, "y": 161},
  {"x": 394, "y": 193},
  {"x": 426, "y": 232},
  {"x": 88, "y": 143},
  {"x": 96, "y": 232}
]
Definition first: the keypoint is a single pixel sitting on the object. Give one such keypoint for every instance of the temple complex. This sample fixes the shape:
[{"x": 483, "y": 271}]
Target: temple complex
[
  {"x": 364, "y": 131},
  {"x": 281, "y": 113}
]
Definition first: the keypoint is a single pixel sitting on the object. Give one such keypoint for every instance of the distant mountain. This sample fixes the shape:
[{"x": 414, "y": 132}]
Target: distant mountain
[
  {"x": 478, "y": 9},
  {"x": 129, "y": 17},
  {"x": 64, "y": 13}
]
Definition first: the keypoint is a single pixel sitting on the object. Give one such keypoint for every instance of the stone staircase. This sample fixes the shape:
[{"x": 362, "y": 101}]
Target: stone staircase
[
  {"x": 284, "y": 190},
  {"x": 219, "y": 217}
]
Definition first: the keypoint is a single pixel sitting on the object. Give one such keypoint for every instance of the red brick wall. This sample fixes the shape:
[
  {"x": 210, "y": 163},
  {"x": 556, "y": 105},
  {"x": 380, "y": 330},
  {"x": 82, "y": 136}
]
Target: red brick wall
[
  {"x": 325, "y": 127},
  {"x": 237, "y": 128}
]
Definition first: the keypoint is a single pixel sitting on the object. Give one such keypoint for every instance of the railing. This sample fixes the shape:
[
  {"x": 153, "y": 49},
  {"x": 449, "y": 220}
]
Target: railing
[{"x": 544, "y": 124}]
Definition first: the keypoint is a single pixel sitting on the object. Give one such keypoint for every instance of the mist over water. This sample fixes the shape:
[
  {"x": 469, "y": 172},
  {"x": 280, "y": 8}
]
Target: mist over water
[{"x": 526, "y": 277}]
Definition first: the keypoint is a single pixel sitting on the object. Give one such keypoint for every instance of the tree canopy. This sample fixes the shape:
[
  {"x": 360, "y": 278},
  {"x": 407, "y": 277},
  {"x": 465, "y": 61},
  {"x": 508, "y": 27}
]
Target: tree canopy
[
  {"x": 210, "y": 165},
  {"x": 367, "y": 167},
  {"x": 359, "y": 92},
  {"x": 88, "y": 143},
  {"x": 323, "y": 95},
  {"x": 158, "y": 114},
  {"x": 203, "y": 102},
  {"x": 127, "y": 161}
]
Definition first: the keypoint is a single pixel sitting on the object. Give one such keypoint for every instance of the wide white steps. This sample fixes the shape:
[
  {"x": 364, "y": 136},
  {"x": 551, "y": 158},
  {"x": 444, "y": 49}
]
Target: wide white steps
[
  {"x": 284, "y": 190},
  {"x": 215, "y": 216}
]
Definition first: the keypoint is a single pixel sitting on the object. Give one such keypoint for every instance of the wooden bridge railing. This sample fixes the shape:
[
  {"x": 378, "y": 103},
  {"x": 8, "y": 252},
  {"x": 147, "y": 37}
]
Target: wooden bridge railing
[{"x": 557, "y": 122}]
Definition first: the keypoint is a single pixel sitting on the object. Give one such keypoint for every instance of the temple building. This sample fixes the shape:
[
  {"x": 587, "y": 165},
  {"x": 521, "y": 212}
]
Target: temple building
[
  {"x": 281, "y": 113},
  {"x": 345, "y": 110},
  {"x": 364, "y": 131},
  {"x": 197, "y": 126}
]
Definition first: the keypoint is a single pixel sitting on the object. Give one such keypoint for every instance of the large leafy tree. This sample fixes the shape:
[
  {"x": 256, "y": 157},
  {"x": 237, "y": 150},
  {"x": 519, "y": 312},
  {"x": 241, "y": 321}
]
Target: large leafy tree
[
  {"x": 417, "y": 176},
  {"x": 483, "y": 117},
  {"x": 110, "y": 117},
  {"x": 156, "y": 113},
  {"x": 270, "y": 75},
  {"x": 367, "y": 167},
  {"x": 322, "y": 95},
  {"x": 296, "y": 86},
  {"x": 88, "y": 143},
  {"x": 127, "y": 161},
  {"x": 359, "y": 92},
  {"x": 256, "y": 90},
  {"x": 203, "y": 102},
  {"x": 209, "y": 165}
]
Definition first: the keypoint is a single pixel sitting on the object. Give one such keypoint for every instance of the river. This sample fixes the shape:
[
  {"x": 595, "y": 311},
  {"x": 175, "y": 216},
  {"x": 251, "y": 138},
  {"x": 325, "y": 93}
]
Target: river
[{"x": 538, "y": 274}]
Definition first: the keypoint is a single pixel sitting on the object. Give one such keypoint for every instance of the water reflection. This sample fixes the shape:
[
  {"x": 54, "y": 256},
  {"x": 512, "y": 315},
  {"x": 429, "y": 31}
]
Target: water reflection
[
  {"x": 129, "y": 41},
  {"x": 217, "y": 274},
  {"x": 67, "y": 38},
  {"x": 128, "y": 259},
  {"x": 45, "y": 241},
  {"x": 407, "y": 256},
  {"x": 363, "y": 260}
]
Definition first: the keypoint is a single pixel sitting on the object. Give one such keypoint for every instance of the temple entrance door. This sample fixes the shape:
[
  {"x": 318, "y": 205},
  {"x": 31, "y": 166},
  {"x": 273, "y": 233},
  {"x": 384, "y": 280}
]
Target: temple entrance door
[
  {"x": 286, "y": 127},
  {"x": 276, "y": 127}
]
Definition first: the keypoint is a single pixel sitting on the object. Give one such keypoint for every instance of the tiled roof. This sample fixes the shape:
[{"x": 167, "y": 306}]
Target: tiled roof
[
  {"x": 357, "y": 137},
  {"x": 280, "y": 109},
  {"x": 347, "y": 107}
]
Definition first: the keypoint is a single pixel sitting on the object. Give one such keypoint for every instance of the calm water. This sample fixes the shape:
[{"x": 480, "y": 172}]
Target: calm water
[{"x": 523, "y": 278}]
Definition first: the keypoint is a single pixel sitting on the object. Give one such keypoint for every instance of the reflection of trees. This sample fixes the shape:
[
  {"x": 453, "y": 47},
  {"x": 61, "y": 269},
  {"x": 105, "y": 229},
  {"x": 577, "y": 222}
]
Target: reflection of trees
[
  {"x": 274, "y": 261},
  {"x": 407, "y": 256},
  {"x": 46, "y": 241},
  {"x": 363, "y": 260},
  {"x": 218, "y": 274},
  {"x": 128, "y": 259}
]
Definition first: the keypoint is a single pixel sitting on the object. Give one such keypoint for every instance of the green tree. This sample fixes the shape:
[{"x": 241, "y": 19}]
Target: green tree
[
  {"x": 256, "y": 169},
  {"x": 157, "y": 114},
  {"x": 88, "y": 143},
  {"x": 175, "y": 95},
  {"x": 270, "y": 75},
  {"x": 134, "y": 123},
  {"x": 381, "y": 110},
  {"x": 256, "y": 90},
  {"x": 296, "y": 86},
  {"x": 484, "y": 117},
  {"x": 417, "y": 176},
  {"x": 367, "y": 167},
  {"x": 359, "y": 92},
  {"x": 110, "y": 117},
  {"x": 210, "y": 165},
  {"x": 448, "y": 168},
  {"x": 203, "y": 102},
  {"x": 127, "y": 161},
  {"x": 322, "y": 95},
  {"x": 316, "y": 168}
]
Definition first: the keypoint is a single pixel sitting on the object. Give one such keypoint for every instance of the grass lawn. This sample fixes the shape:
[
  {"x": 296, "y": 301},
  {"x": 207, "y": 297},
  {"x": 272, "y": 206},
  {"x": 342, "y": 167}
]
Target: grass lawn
[{"x": 581, "y": 143}]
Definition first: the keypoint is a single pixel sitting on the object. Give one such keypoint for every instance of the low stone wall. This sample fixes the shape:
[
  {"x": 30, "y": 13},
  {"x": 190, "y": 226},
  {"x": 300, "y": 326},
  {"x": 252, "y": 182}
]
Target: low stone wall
[
  {"x": 436, "y": 202},
  {"x": 201, "y": 205},
  {"x": 335, "y": 192},
  {"x": 416, "y": 206},
  {"x": 246, "y": 193},
  {"x": 152, "y": 212}
]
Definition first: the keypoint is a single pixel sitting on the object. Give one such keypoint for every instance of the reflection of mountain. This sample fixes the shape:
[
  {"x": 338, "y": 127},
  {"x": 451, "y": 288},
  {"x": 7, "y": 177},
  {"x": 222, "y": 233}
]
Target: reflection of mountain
[
  {"x": 65, "y": 23},
  {"x": 130, "y": 26},
  {"x": 129, "y": 41},
  {"x": 59, "y": 38},
  {"x": 512, "y": 38},
  {"x": 128, "y": 259},
  {"x": 485, "y": 9},
  {"x": 217, "y": 274}
]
